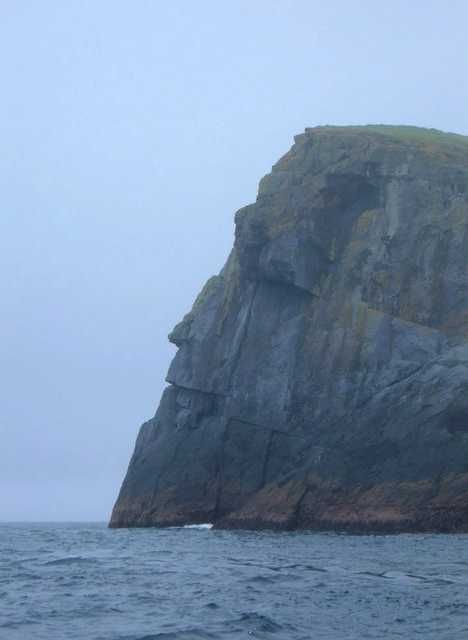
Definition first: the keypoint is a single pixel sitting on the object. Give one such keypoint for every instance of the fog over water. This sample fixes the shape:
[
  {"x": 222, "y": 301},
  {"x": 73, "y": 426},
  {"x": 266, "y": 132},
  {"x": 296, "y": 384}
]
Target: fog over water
[{"x": 131, "y": 132}]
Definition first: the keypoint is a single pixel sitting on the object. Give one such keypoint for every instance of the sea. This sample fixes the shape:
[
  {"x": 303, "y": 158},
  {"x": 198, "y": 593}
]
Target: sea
[{"x": 85, "y": 581}]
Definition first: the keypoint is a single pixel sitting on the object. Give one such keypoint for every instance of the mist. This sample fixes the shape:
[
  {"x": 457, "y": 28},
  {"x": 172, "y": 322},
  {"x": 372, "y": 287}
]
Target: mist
[{"x": 131, "y": 133}]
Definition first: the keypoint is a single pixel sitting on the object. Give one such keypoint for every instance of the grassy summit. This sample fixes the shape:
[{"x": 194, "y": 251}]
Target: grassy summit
[{"x": 405, "y": 133}]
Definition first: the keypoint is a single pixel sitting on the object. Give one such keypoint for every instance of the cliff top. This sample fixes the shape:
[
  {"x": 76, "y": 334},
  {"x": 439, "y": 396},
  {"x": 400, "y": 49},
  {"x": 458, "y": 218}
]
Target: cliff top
[
  {"x": 399, "y": 133},
  {"x": 416, "y": 151}
]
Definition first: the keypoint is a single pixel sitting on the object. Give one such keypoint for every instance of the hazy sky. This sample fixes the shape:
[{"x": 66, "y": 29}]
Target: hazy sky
[{"x": 130, "y": 134}]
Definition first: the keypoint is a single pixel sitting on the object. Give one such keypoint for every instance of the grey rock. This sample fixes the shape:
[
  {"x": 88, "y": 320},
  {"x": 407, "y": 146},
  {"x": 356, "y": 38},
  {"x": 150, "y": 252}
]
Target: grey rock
[{"x": 321, "y": 379}]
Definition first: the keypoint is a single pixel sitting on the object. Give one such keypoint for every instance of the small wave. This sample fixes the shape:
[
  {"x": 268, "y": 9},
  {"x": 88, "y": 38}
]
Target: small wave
[
  {"x": 441, "y": 580},
  {"x": 26, "y": 575},
  {"x": 373, "y": 574},
  {"x": 397, "y": 576},
  {"x": 403, "y": 577},
  {"x": 263, "y": 579},
  {"x": 258, "y": 622},
  {"x": 208, "y": 525},
  {"x": 187, "y": 634},
  {"x": 69, "y": 560},
  {"x": 306, "y": 567}
]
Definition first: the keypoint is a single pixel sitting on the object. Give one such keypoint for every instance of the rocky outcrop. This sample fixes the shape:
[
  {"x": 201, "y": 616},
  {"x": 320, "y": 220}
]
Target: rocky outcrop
[{"x": 321, "y": 379}]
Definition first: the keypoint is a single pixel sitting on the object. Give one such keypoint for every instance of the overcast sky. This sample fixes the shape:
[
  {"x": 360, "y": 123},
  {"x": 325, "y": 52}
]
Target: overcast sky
[{"x": 130, "y": 133}]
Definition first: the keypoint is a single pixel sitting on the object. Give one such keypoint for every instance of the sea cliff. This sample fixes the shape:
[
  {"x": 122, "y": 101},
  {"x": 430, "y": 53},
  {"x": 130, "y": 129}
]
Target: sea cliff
[{"x": 321, "y": 379}]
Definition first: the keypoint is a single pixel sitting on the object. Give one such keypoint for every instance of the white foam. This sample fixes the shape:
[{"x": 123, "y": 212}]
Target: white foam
[{"x": 208, "y": 525}]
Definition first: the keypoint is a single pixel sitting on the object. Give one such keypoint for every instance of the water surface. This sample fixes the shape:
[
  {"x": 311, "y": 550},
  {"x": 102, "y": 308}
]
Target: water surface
[{"x": 84, "y": 581}]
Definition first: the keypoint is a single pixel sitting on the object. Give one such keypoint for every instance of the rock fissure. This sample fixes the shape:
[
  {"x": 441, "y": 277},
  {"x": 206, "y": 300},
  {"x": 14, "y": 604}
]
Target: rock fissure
[
  {"x": 241, "y": 340},
  {"x": 263, "y": 427},
  {"x": 265, "y": 459},
  {"x": 206, "y": 392}
]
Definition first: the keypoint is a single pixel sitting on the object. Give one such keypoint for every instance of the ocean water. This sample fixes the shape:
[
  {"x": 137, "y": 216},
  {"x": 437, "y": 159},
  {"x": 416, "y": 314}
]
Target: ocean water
[{"x": 84, "y": 581}]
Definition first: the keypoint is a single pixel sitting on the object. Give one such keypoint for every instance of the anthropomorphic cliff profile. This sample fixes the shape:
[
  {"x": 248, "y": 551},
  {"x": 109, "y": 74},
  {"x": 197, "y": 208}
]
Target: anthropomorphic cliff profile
[{"x": 321, "y": 379}]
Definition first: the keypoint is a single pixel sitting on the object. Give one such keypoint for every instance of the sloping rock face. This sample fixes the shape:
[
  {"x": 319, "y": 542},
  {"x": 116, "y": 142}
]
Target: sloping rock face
[{"x": 321, "y": 379}]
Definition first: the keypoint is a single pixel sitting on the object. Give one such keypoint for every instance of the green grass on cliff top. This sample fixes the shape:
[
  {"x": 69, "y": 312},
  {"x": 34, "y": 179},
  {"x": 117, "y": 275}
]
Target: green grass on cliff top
[{"x": 405, "y": 133}]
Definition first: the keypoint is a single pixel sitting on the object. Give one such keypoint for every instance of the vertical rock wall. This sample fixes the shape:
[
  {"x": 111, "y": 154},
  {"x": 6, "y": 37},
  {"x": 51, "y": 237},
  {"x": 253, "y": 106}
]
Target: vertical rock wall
[{"x": 321, "y": 379}]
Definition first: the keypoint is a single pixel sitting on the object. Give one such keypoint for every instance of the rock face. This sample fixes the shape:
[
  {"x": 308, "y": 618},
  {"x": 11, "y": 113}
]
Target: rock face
[{"x": 321, "y": 379}]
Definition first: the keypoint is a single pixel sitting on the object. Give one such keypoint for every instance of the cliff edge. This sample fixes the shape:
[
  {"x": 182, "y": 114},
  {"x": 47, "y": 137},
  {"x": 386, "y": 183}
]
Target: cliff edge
[{"x": 321, "y": 379}]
